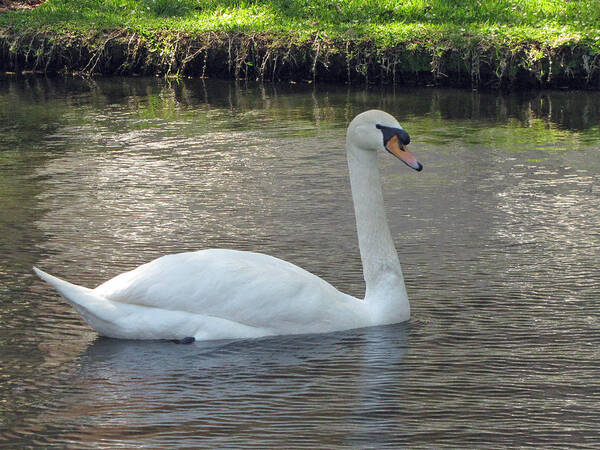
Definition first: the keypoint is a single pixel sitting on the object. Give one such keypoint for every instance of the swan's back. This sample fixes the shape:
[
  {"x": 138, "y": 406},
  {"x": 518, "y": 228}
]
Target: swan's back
[{"x": 249, "y": 288}]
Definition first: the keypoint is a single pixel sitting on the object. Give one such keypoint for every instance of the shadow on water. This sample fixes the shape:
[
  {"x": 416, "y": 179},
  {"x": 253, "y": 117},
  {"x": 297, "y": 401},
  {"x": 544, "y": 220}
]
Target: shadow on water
[
  {"x": 340, "y": 386},
  {"x": 366, "y": 347}
]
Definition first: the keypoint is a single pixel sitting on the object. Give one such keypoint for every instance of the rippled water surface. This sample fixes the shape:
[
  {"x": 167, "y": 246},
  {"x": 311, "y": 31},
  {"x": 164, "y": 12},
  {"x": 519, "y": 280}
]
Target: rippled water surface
[{"x": 498, "y": 236}]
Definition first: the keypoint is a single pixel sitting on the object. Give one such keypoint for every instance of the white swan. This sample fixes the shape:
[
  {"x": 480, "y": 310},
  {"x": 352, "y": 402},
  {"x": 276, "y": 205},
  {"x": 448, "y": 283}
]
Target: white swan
[{"x": 221, "y": 294}]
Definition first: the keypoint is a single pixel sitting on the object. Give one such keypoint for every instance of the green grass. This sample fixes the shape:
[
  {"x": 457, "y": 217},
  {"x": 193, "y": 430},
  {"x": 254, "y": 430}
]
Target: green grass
[
  {"x": 384, "y": 21},
  {"x": 539, "y": 36}
]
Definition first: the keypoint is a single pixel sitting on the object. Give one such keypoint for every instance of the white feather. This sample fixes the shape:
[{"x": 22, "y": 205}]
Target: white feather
[{"x": 220, "y": 294}]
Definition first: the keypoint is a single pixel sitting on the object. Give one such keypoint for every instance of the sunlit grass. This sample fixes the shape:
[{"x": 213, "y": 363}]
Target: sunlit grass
[
  {"x": 482, "y": 42},
  {"x": 388, "y": 22}
]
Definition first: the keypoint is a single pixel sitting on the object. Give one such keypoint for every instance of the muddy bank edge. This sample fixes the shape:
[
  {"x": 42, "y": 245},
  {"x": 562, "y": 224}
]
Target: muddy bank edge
[{"x": 474, "y": 62}]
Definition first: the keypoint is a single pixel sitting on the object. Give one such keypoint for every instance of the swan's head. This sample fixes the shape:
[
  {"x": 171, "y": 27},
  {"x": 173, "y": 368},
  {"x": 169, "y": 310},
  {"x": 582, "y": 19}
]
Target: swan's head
[{"x": 375, "y": 130}]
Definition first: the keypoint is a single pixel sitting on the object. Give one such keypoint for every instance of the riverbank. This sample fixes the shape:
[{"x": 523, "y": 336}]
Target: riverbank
[{"x": 482, "y": 44}]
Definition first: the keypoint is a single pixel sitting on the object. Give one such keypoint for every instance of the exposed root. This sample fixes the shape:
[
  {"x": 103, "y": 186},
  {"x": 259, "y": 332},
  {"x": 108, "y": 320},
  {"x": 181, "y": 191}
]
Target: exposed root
[
  {"x": 93, "y": 62},
  {"x": 263, "y": 57}
]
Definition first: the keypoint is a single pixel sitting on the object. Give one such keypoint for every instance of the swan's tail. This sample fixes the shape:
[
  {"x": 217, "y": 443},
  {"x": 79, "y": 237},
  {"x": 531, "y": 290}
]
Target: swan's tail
[
  {"x": 122, "y": 320},
  {"x": 100, "y": 313},
  {"x": 74, "y": 294}
]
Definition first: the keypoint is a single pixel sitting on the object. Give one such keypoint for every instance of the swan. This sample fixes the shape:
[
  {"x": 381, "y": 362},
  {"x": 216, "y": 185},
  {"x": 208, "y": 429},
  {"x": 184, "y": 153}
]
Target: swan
[{"x": 228, "y": 294}]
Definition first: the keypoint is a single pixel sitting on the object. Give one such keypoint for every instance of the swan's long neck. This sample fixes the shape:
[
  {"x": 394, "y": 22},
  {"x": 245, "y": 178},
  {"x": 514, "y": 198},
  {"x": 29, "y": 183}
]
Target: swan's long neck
[{"x": 385, "y": 291}]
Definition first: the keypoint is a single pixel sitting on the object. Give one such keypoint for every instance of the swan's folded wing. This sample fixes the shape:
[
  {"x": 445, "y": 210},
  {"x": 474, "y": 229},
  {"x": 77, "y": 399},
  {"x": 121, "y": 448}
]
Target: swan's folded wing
[{"x": 248, "y": 288}]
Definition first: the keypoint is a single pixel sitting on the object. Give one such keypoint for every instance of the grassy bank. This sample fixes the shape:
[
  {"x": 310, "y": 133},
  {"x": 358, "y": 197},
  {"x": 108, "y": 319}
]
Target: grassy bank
[{"x": 478, "y": 43}]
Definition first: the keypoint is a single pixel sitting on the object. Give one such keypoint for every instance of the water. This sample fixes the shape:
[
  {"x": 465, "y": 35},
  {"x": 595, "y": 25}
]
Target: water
[{"x": 498, "y": 238}]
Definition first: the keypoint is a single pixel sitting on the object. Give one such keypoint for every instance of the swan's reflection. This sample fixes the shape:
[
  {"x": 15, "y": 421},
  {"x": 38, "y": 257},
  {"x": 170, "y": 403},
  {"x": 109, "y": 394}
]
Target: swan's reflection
[{"x": 321, "y": 388}]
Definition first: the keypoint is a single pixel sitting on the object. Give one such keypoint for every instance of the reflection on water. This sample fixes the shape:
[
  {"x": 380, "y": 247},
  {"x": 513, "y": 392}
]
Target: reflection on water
[
  {"x": 497, "y": 237},
  {"x": 234, "y": 390}
]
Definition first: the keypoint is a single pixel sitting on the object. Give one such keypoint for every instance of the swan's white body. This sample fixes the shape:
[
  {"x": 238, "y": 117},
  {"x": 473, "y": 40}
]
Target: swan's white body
[{"x": 220, "y": 294}]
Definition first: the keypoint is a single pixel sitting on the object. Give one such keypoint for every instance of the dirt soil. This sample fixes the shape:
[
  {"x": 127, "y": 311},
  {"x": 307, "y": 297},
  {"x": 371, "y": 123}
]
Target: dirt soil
[{"x": 6, "y": 5}]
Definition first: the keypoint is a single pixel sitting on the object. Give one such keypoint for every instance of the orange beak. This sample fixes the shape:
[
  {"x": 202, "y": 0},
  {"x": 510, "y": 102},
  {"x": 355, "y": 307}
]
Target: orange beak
[{"x": 399, "y": 150}]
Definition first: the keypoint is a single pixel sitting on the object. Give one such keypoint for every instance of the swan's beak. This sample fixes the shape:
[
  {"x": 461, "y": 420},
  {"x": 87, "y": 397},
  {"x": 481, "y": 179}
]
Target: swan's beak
[{"x": 399, "y": 150}]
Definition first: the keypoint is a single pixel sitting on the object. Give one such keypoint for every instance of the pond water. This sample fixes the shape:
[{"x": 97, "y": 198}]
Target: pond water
[{"x": 498, "y": 237}]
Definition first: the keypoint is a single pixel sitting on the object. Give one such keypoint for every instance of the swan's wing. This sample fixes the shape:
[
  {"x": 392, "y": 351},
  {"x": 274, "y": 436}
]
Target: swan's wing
[
  {"x": 248, "y": 288},
  {"x": 130, "y": 321}
]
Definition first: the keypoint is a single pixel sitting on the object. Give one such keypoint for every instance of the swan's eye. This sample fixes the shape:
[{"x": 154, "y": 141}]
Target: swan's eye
[
  {"x": 395, "y": 143},
  {"x": 389, "y": 132}
]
